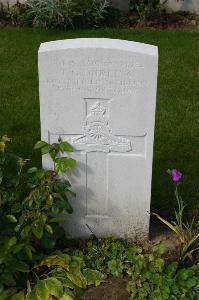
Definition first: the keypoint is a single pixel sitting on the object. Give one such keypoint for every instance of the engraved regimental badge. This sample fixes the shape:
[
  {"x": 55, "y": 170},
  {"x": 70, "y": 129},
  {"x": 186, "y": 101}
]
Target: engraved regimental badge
[{"x": 97, "y": 134}]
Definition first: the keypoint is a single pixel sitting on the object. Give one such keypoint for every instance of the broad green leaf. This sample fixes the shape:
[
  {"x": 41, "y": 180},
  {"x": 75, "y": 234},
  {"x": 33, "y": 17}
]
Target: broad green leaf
[
  {"x": 66, "y": 297},
  {"x": 17, "y": 228},
  {"x": 68, "y": 207},
  {"x": 191, "y": 282},
  {"x": 25, "y": 232},
  {"x": 45, "y": 149},
  {"x": 72, "y": 162},
  {"x": 183, "y": 275},
  {"x": 11, "y": 218},
  {"x": 49, "y": 201},
  {"x": 58, "y": 196},
  {"x": 31, "y": 296},
  {"x": 5, "y": 138},
  {"x": 115, "y": 267},
  {"x": 21, "y": 220},
  {"x": 21, "y": 266},
  {"x": 2, "y": 146},
  {"x": 49, "y": 229},
  {"x": 57, "y": 259},
  {"x": 75, "y": 274},
  {"x": 73, "y": 194},
  {"x": 61, "y": 275},
  {"x": 61, "y": 185},
  {"x": 53, "y": 154},
  {"x": 40, "y": 144},
  {"x": 7, "y": 294},
  {"x": 77, "y": 278},
  {"x": 11, "y": 242},
  {"x": 42, "y": 291},
  {"x": 55, "y": 210},
  {"x": 48, "y": 241},
  {"x": 18, "y": 248},
  {"x": 63, "y": 203},
  {"x": 54, "y": 286},
  {"x": 18, "y": 296},
  {"x": 160, "y": 248},
  {"x": 43, "y": 218},
  {"x": 8, "y": 277},
  {"x": 37, "y": 229},
  {"x": 65, "y": 146},
  {"x": 94, "y": 277},
  {"x": 73, "y": 293},
  {"x": 64, "y": 163},
  {"x": 28, "y": 250},
  {"x": 55, "y": 146},
  {"x": 40, "y": 173},
  {"x": 32, "y": 170}
]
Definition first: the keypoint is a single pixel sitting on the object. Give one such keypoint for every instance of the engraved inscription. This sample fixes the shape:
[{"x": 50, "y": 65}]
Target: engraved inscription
[
  {"x": 100, "y": 75},
  {"x": 96, "y": 62},
  {"x": 98, "y": 135}
]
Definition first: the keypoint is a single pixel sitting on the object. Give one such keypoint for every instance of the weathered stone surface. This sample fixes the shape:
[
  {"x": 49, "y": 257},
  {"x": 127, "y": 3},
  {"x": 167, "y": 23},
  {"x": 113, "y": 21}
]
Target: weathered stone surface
[{"x": 100, "y": 94}]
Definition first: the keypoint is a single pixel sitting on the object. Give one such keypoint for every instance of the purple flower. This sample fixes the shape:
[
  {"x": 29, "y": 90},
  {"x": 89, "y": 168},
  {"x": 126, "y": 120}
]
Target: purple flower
[{"x": 176, "y": 175}]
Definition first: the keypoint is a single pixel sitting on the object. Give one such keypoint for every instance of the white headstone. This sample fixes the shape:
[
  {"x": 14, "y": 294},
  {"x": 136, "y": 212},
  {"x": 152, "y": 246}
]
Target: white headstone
[{"x": 100, "y": 94}]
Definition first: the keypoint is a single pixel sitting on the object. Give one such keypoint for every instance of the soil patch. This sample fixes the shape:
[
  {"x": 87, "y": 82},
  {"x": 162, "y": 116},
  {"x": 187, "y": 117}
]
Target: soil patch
[
  {"x": 112, "y": 289},
  {"x": 181, "y": 20}
]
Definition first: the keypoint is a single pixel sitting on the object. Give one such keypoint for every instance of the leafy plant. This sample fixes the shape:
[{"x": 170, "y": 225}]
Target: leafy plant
[
  {"x": 111, "y": 256},
  {"x": 153, "y": 279},
  {"x": 67, "y": 13},
  {"x": 91, "y": 13},
  {"x": 187, "y": 233},
  {"x": 16, "y": 14},
  {"x": 150, "y": 275},
  {"x": 3, "y": 12},
  {"x": 51, "y": 13},
  {"x": 61, "y": 13},
  {"x": 58, "y": 276},
  {"x": 31, "y": 200},
  {"x": 144, "y": 8}
]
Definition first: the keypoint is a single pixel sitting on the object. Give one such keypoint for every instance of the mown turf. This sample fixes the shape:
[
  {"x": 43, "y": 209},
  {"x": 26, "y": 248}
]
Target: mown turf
[{"x": 177, "y": 117}]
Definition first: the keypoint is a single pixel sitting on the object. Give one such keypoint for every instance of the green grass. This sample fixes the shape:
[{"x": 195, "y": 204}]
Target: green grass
[{"x": 177, "y": 117}]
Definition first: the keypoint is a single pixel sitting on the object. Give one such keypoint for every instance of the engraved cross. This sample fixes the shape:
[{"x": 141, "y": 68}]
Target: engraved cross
[{"x": 98, "y": 142}]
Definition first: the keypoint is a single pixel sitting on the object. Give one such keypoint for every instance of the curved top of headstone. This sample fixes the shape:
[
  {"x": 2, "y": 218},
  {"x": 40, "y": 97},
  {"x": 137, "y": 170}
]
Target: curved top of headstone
[{"x": 100, "y": 43}]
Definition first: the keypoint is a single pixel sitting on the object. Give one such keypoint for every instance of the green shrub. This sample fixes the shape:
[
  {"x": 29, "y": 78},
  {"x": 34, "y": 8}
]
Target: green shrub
[
  {"x": 67, "y": 13},
  {"x": 61, "y": 13},
  {"x": 51, "y": 13},
  {"x": 155, "y": 280},
  {"x": 3, "y": 12},
  {"x": 91, "y": 13},
  {"x": 59, "y": 277},
  {"x": 150, "y": 276},
  {"x": 31, "y": 200},
  {"x": 144, "y": 8},
  {"x": 16, "y": 14}
]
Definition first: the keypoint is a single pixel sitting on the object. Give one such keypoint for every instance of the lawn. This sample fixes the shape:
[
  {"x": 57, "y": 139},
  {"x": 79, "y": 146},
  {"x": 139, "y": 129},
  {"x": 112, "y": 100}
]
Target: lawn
[{"x": 177, "y": 116}]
